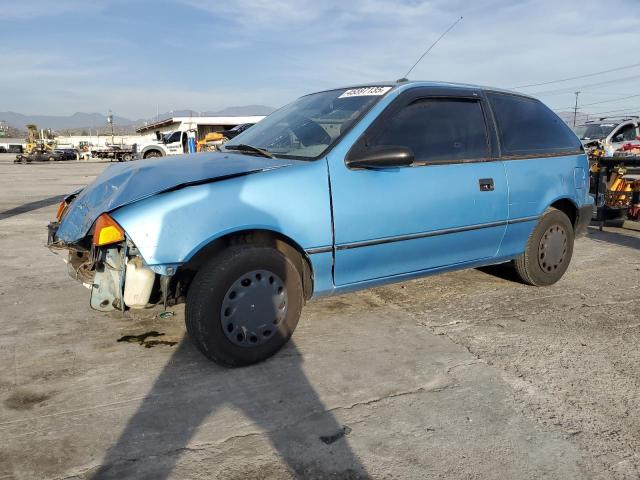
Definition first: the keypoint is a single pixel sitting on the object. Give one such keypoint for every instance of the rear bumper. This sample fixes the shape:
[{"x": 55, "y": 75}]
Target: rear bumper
[{"x": 584, "y": 218}]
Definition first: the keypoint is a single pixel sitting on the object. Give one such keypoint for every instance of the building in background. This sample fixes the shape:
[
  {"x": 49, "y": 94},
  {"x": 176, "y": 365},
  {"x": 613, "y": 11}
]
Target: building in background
[{"x": 202, "y": 125}]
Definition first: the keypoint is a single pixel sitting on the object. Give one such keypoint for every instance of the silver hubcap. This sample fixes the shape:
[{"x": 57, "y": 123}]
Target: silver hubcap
[
  {"x": 552, "y": 249},
  {"x": 254, "y": 308}
]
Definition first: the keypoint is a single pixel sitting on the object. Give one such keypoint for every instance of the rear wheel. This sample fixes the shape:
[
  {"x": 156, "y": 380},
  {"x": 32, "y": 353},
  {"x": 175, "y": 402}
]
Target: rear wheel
[
  {"x": 51, "y": 159},
  {"x": 244, "y": 305},
  {"x": 549, "y": 250}
]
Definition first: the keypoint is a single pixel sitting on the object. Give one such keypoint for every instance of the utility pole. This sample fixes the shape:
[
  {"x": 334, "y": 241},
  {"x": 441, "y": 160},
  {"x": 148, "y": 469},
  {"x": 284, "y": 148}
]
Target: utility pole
[
  {"x": 575, "y": 109},
  {"x": 110, "y": 121}
]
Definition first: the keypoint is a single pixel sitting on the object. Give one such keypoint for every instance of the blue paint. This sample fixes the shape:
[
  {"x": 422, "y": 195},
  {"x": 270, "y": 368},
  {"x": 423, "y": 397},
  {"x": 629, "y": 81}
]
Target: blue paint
[
  {"x": 173, "y": 207},
  {"x": 171, "y": 227},
  {"x": 125, "y": 183}
]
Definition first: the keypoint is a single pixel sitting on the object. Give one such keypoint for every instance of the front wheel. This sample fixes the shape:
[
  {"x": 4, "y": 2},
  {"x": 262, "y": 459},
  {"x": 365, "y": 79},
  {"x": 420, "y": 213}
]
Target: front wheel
[
  {"x": 152, "y": 154},
  {"x": 549, "y": 250},
  {"x": 244, "y": 305}
]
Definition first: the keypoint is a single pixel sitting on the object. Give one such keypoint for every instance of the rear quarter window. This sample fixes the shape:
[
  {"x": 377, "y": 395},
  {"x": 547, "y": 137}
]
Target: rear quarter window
[{"x": 527, "y": 127}]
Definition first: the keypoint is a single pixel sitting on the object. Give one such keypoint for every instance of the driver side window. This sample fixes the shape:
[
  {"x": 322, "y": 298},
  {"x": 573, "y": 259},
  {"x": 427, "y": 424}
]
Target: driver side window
[{"x": 437, "y": 130}]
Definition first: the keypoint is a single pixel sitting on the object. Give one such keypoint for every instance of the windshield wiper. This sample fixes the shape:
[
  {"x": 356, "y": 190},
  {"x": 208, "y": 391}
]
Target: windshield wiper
[{"x": 243, "y": 147}]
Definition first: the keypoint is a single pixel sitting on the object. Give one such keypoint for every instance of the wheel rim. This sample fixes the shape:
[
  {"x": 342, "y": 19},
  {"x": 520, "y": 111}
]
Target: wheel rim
[
  {"x": 254, "y": 308},
  {"x": 552, "y": 250}
]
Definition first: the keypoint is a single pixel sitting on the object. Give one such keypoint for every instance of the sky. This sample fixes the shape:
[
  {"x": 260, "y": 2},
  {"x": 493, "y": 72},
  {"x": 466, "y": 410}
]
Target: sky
[{"x": 60, "y": 57}]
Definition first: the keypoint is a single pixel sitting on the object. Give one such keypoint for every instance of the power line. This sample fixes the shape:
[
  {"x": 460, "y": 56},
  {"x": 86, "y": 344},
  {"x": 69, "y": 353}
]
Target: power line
[
  {"x": 581, "y": 87},
  {"x": 620, "y": 110},
  {"x": 609, "y": 101},
  {"x": 603, "y": 101},
  {"x": 626, "y": 67}
]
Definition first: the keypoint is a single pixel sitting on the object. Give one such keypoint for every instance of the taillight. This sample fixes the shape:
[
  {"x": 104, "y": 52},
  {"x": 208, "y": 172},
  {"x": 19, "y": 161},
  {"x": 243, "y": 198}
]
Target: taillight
[{"x": 107, "y": 231}]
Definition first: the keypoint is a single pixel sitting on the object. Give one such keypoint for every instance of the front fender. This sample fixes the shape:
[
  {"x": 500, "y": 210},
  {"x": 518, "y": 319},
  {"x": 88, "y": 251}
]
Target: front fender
[{"x": 169, "y": 228}]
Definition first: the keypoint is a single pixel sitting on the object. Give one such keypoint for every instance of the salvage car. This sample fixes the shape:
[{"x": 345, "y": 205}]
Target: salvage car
[
  {"x": 338, "y": 191},
  {"x": 40, "y": 156},
  {"x": 67, "y": 153}
]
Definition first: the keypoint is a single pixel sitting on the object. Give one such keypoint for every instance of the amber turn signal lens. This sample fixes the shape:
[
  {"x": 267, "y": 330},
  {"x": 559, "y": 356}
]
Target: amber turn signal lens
[
  {"x": 61, "y": 209},
  {"x": 107, "y": 231}
]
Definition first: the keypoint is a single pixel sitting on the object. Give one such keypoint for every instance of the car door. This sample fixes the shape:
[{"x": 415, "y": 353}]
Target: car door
[{"x": 449, "y": 208}]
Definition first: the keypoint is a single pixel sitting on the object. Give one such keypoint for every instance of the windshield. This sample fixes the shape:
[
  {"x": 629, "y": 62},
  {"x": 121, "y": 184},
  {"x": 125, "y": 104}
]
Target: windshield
[
  {"x": 307, "y": 127},
  {"x": 594, "y": 131}
]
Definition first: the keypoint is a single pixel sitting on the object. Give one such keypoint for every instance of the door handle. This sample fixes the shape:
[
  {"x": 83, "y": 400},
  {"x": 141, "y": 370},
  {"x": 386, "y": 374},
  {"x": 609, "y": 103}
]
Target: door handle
[{"x": 486, "y": 184}]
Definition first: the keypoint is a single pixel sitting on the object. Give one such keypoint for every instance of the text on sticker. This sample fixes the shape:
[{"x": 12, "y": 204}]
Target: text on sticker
[{"x": 365, "y": 92}]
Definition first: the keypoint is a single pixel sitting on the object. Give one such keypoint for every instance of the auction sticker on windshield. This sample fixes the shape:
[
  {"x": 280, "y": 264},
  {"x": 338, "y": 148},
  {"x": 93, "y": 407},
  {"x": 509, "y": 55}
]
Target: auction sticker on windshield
[{"x": 365, "y": 92}]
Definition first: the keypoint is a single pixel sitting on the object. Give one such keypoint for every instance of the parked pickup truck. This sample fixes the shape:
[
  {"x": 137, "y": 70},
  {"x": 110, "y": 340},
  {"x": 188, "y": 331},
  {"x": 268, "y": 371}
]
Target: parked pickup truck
[
  {"x": 338, "y": 191},
  {"x": 120, "y": 153}
]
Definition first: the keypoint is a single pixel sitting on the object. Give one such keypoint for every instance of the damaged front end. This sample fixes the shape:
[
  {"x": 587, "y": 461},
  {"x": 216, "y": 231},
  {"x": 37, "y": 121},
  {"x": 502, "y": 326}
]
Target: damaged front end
[{"x": 109, "y": 264}]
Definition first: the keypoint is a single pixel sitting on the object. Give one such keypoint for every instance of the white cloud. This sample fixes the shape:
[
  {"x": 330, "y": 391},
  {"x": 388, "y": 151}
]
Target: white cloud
[
  {"x": 32, "y": 9},
  {"x": 271, "y": 51}
]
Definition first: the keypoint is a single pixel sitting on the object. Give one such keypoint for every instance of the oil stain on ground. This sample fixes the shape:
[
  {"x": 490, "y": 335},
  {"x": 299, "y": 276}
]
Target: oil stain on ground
[
  {"x": 142, "y": 339},
  {"x": 25, "y": 399}
]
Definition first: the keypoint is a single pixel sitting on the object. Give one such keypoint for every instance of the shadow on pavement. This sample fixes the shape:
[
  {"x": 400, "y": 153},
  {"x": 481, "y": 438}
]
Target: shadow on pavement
[
  {"x": 275, "y": 396},
  {"x": 27, "y": 207},
  {"x": 617, "y": 238},
  {"x": 505, "y": 271}
]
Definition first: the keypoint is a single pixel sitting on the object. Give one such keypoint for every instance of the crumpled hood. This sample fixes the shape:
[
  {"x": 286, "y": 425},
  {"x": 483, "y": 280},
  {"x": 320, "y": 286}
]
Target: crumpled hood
[{"x": 124, "y": 183}]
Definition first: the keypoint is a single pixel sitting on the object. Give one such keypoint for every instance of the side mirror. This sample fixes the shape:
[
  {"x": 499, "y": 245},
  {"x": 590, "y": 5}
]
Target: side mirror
[
  {"x": 381, "y": 157},
  {"x": 618, "y": 138}
]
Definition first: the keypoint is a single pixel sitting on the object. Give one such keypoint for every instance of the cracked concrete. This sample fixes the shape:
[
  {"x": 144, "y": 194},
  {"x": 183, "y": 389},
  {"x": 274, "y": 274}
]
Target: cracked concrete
[{"x": 465, "y": 375}]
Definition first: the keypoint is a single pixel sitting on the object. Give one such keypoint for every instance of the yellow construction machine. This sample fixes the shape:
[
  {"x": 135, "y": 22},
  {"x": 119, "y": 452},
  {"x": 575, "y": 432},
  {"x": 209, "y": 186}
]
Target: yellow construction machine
[{"x": 36, "y": 140}]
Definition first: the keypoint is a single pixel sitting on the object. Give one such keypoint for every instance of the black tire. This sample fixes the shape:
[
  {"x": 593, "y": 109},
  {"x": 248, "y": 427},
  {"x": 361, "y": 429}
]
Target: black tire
[
  {"x": 52, "y": 159},
  {"x": 127, "y": 157},
  {"x": 549, "y": 250},
  {"x": 152, "y": 154},
  {"x": 214, "y": 287}
]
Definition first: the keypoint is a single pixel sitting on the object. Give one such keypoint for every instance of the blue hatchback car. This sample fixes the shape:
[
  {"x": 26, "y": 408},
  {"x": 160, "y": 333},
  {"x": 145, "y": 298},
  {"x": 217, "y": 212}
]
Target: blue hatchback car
[{"x": 338, "y": 191}]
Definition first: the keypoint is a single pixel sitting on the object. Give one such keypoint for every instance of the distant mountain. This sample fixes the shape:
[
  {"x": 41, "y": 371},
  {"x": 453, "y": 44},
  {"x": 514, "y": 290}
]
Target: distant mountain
[
  {"x": 247, "y": 110},
  {"x": 567, "y": 117},
  {"x": 243, "y": 111},
  {"x": 57, "y": 122},
  {"x": 80, "y": 120}
]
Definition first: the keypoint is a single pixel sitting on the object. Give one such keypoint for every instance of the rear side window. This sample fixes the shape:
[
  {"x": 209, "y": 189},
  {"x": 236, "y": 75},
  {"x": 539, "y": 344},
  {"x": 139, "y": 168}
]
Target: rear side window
[
  {"x": 527, "y": 127},
  {"x": 437, "y": 130}
]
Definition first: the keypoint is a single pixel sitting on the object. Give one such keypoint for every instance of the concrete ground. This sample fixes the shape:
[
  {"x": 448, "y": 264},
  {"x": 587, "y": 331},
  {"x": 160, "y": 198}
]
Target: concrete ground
[{"x": 463, "y": 375}]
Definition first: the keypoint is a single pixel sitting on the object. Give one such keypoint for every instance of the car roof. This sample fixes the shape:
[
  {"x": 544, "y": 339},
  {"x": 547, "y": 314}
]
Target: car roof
[
  {"x": 616, "y": 120},
  {"x": 404, "y": 85}
]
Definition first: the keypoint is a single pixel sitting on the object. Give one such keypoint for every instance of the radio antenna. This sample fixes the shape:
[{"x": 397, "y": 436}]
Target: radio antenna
[{"x": 405, "y": 78}]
